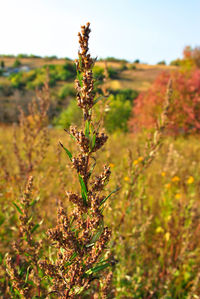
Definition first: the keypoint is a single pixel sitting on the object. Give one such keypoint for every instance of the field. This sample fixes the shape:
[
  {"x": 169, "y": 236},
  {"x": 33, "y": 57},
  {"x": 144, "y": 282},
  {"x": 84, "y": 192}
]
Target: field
[
  {"x": 89, "y": 212},
  {"x": 155, "y": 239}
]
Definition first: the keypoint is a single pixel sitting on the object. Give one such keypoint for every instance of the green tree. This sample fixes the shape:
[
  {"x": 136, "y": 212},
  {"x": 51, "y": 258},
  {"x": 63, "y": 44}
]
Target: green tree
[
  {"x": 118, "y": 114},
  {"x": 17, "y": 63},
  {"x": 71, "y": 115}
]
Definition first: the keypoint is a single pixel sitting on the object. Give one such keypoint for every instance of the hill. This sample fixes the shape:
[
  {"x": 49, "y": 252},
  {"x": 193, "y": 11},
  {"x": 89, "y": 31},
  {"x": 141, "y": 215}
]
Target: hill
[{"x": 21, "y": 75}]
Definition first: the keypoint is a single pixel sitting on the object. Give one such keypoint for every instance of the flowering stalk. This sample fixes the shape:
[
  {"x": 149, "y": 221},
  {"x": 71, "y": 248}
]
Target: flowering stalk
[
  {"x": 81, "y": 237},
  {"x": 31, "y": 143},
  {"x": 23, "y": 267}
]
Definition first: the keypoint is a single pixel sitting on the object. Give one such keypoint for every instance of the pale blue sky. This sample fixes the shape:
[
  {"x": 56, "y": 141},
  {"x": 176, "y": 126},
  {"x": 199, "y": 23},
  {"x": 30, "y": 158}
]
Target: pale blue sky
[{"x": 149, "y": 30}]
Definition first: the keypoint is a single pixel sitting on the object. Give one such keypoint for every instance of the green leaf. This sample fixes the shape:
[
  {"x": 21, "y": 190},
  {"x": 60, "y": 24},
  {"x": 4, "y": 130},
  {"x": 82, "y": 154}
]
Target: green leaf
[
  {"x": 30, "y": 282},
  {"x": 1, "y": 258},
  {"x": 62, "y": 250},
  {"x": 17, "y": 292},
  {"x": 74, "y": 255},
  {"x": 93, "y": 140},
  {"x": 35, "y": 227},
  {"x": 27, "y": 254},
  {"x": 87, "y": 128},
  {"x": 27, "y": 274},
  {"x": 98, "y": 234},
  {"x": 18, "y": 208},
  {"x": 97, "y": 268},
  {"x": 104, "y": 200},
  {"x": 92, "y": 167},
  {"x": 83, "y": 189},
  {"x": 2, "y": 219},
  {"x": 34, "y": 201},
  {"x": 70, "y": 134},
  {"x": 30, "y": 219},
  {"x": 79, "y": 78},
  {"x": 67, "y": 151}
]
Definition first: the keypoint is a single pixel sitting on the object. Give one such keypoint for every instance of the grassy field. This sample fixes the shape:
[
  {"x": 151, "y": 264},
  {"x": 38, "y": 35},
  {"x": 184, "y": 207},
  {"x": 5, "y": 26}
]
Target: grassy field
[
  {"x": 155, "y": 226},
  {"x": 86, "y": 217}
]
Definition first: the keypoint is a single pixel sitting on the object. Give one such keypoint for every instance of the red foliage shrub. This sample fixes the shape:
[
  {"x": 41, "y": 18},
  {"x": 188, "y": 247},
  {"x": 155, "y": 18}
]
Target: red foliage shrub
[{"x": 184, "y": 113}]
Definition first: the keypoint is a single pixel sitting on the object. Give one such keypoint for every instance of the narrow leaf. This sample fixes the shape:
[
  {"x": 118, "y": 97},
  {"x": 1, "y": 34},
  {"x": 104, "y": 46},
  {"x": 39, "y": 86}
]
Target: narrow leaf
[
  {"x": 2, "y": 219},
  {"x": 87, "y": 128},
  {"x": 98, "y": 234},
  {"x": 74, "y": 255},
  {"x": 27, "y": 273},
  {"x": 97, "y": 268},
  {"x": 18, "y": 208},
  {"x": 35, "y": 227},
  {"x": 70, "y": 134},
  {"x": 67, "y": 151},
  {"x": 92, "y": 167},
  {"x": 93, "y": 141},
  {"x": 79, "y": 78},
  {"x": 31, "y": 283},
  {"x": 83, "y": 189},
  {"x": 104, "y": 200},
  {"x": 34, "y": 201},
  {"x": 1, "y": 258}
]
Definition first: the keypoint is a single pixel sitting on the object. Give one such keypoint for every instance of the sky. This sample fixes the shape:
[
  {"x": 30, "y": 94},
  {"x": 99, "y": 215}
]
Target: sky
[{"x": 148, "y": 30}]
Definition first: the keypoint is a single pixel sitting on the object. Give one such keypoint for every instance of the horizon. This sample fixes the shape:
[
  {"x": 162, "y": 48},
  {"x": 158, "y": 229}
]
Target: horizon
[{"x": 150, "y": 32}]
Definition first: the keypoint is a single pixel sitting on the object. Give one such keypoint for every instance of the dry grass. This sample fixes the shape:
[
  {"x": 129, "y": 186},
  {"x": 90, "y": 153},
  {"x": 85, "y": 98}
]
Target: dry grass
[{"x": 154, "y": 248}]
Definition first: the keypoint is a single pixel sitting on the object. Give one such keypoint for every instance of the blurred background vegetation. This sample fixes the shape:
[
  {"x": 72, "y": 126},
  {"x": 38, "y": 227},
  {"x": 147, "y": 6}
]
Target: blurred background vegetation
[{"x": 155, "y": 215}]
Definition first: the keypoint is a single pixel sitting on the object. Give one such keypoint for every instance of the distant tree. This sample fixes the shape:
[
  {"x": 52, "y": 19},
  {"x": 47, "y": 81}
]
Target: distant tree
[
  {"x": 66, "y": 91},
  {"x": 162, "y": 62},
  {"x": 69, "y": 116},
  {"x": 184, "y": 113},
  {"x": 16, "y": 63},
  {"x": 118, "y": 113},
  {"x": 22, "y": 56},
  {"x": 112, "y": 73},
  {"x": 2, "y": 64},
  {"x": 127, "y": 94},
  {"x": 191, "y": 58},
  {"x": 137, "y": 61},
  {"x": 34, "y": 56},
  {"x": 176, "y": 62},
  {"x": 132, "y": 66},
  {"x": 114, "y": 59}
]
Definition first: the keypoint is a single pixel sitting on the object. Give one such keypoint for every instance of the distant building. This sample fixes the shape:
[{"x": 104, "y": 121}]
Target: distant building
[{"x": 11, "y": 70}]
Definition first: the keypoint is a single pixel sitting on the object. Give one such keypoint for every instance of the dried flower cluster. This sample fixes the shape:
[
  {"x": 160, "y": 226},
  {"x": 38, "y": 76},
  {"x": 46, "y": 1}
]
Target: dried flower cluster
[
  {"x": 152, "y": 147},
  {"x": 23, "y": 266},
  {"x": 155, "y": 141},
  {"x": 81, "y": 237},
  {"x": 34, "y": 138},
  {"x": 84, "y": 83}
]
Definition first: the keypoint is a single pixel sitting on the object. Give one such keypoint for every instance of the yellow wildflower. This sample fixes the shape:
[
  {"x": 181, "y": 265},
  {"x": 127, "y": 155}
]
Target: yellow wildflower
[
  {"x": 126, "y": 178},
  {"x": 175, "y": 179},
  {"x": 159, "y": 229},
  {"x": 140, "y": 159},
  {"x": 167, "y": 236},
  {"x": 167, "y": 185},
  {"x": 112, "y": 165},
  {"x": 190, "y": 180},
  {"x": 178, "y": 196},
  {"x": 135, "y": 162},
  {"x": 163, "y": 173},
  {"x": 169, "y": 217}
]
